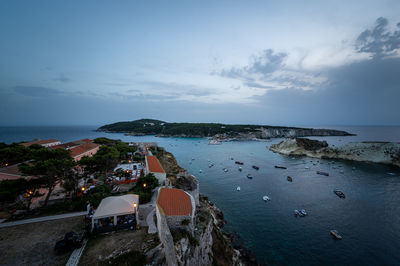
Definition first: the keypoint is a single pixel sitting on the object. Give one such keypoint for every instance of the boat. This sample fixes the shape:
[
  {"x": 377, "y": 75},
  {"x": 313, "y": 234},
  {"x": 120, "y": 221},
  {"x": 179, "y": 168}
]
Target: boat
[
  {"x": 225, "y": 170},
  {"x": 237, "y": 162},
  {"x": 249, "y": 176},
  {"x": 306, "y": 167},
  {"x": 200, "y": 171},
  {"x": 297, "y": 213},
  {"x": 339, "y": 193},
  {"x": 238, "y": 188},
  {"x": 266, "y": 198},
  {"x": 335, "y": 234},
  {"x": 240, "y": 169},
  {"x": 280, "y": 167},
  {"x": 289, "y": 178},
  {"x": 322, "y": 173},
  {"x": 214, "y": 142},
  {"x": 231, "y": 158},
  {"x": 256, "y": 167},
  {"x": 210, "y": 165},
  {"x": 303, "y": 212}
]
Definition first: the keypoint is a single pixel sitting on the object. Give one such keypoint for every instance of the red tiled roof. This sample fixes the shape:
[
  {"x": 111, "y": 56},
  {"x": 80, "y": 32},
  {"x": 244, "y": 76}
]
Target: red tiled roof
[
  {"x": 40, "y": 142},
  {"x": 174, "y": 202},
  {"x": 76, "y": 151},
  {"x": 12, "y": 172},
  {"x": 71, "y": 144},
  {"x": 154, "y": 165}
]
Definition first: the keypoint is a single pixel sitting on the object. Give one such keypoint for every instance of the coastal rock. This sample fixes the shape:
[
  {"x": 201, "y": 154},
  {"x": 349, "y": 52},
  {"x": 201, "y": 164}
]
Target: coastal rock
[{"x": 375, "y": 152}]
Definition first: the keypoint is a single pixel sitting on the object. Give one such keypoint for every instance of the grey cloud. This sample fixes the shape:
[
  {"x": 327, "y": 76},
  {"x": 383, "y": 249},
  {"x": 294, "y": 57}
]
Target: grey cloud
[
  {"x": 35, "y": 91},
  {"x": 63, "y": 79},
  {"x": 366, "y": 92},
  {"x": 264, "y": 64},
  {"x": 379, "y": 41}
]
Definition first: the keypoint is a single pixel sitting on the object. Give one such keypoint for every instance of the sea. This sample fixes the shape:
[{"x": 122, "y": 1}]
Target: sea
[{"x": 368, "y": 218}]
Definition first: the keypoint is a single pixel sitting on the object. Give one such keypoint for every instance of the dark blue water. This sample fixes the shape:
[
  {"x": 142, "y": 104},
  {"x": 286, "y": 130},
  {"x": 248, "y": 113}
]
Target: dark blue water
[{"x": 368, "y": 219}]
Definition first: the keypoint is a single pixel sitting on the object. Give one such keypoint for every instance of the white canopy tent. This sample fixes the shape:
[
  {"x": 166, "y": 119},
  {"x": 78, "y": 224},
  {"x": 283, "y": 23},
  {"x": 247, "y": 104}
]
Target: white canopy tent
[{"x": 117, "y": 206}]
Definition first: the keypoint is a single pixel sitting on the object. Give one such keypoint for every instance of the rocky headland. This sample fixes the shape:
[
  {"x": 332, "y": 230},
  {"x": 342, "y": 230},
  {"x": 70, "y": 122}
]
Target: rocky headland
[{"x": 375, "y": 152}]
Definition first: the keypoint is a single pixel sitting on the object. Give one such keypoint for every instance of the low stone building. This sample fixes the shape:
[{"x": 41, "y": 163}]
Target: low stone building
[
  {"x": 45, "y": 143},
  {"x": 88, "y": 149},
  {"x": 177, "y": 206},
  {"x": 154, "y": 167}
]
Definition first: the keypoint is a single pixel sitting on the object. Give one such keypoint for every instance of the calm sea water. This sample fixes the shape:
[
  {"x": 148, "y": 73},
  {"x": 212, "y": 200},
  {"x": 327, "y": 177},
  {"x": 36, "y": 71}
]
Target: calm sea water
[{"x": 368, "y": 219}]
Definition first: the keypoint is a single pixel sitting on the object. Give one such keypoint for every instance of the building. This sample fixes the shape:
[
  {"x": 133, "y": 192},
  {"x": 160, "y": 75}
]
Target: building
[
  {"x": 118, "y": 212},
  {"x": 72, "y": 144},
  {"x": 45, "y": 143},
  {"x": 88, "y": 149},
  {"x": 178, "y": 208},
  {"x": 153, "y": 166}
]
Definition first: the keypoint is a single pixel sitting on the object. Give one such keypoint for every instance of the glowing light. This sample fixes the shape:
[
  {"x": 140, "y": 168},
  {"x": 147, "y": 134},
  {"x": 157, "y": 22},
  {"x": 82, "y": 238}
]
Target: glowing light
[
  {"x": 83, "y": 188},
  {"x": 134, "y": 205},
  {"x": 144, "y": 185}
]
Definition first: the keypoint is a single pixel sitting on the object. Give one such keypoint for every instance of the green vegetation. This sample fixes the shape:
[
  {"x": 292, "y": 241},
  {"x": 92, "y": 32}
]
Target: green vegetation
[
  {"x": 144, "y": 188},
  {"x": 154, "y": 127},
  {"x": 181, "y": 233}
]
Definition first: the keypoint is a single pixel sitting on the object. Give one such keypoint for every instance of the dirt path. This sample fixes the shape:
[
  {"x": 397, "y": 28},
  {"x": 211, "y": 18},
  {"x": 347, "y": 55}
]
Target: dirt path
[{"x": 33, "y": 243}]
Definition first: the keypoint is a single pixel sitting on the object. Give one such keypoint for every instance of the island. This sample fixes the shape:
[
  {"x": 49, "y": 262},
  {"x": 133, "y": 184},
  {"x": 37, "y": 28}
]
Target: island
[
  {"x": 215, "y": 131},
  {"x": 375, "y": 152}
]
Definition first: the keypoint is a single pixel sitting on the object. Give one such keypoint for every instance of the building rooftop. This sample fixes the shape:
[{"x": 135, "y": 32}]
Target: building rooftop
[
  {"x": 174, "y": 202},
  {"x": 40, "y": 142},
  {"x": 76, "y": 151},
  {"x": 71, "y": 144},
  {"x": 154, "y": 165}
]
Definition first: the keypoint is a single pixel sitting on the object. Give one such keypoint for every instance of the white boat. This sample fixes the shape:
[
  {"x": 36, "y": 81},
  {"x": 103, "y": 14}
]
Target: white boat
[
  {"x": 225, "y": 170},
  {"x": 240, "y": 169},
  {"x": 297, "y": 213},
  {"x": 307, "y": 167},
  {"x": 303, "y": 211},
  {"x": 238, "y": 188},
  {"x": 200, "y": 171},
  {"x": 266, "y": 198}
]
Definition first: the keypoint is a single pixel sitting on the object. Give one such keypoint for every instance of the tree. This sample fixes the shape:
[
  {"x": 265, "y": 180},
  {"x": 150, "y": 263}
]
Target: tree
[
  {"x": 106, "y": 159},
  {"x": 49, "y": 165}
]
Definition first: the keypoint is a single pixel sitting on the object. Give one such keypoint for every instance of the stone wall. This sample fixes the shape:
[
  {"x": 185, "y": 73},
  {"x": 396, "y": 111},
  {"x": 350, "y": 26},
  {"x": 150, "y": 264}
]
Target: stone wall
[{"x": 166, "y": 238}]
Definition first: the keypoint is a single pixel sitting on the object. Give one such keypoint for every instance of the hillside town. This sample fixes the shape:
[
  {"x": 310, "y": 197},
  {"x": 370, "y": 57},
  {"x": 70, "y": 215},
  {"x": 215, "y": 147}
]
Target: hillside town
[{"x": 96, "y": 191}]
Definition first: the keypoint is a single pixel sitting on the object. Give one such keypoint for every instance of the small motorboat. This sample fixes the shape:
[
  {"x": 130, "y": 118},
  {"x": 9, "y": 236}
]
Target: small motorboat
[
  {"x": 339, "y": 193},
  {"x": 280, "y": 167},
  {"x": 225, "y": 170},
  {"x": 335, "y": 234},
  {"x": 306, "y": 167},
  {"x": 238, "y": 188},
  {"x": 289, "y": 178},
  {"x": 303, "y": 212},
  {"x": 240, "y": 169},
  {"x": 256, "y": 167},
  {"x": 249, "y": 176},
  {"x": 297, "y": 213},
  {"x": 237, "y": 162},
  {"x": 210, "y": 165},
  {"x": 266, "y": 198},
  {"x": 200, "y": 171},
  {"x": 231, "y": 158},
  {"x": 322, "y": 173}
]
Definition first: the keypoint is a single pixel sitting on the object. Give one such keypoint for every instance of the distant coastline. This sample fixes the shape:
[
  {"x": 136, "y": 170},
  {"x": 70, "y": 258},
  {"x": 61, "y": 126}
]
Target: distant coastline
[{"x": 215, "y": 131}]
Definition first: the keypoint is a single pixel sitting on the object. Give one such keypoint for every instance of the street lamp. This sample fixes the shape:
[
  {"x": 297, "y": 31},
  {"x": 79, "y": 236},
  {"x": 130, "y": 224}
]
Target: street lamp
[{"x": 144, "y": 185}]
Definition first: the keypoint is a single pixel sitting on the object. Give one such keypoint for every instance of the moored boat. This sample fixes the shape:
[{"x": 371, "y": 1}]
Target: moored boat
[
  {"x": 249, "y": 176},
  {"x": 335, "y": 234},
  {"x": 256, "y": 167},
  {"x": 238, "y": 188},
  {"x": 280, "y": 167},
  {"x": 237, "y": 162},
  {"x": 339, "y": 193},
  {"x": 266, "y": 198},
  {"x": 240, "y": 169},
  {"x": 289, "y": 178}
]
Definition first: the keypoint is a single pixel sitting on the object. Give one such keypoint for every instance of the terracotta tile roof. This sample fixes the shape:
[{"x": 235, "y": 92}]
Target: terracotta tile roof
[
  {"x": 174, "y": 202},
  {"x": 76, "y": 151},
  {"x": 40, "y": 142},
  {"x": 71, "y": 144},
  {"x": 154, "y": 165},
  {"x": 12, "y": 172}
]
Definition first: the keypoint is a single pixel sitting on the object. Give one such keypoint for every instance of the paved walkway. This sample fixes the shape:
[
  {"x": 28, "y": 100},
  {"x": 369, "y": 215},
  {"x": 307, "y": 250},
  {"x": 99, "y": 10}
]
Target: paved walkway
[
  {"x": 43, "y": 219},
  {"x": 147, "y": 211},
  {"x": 76, "y": 255}
]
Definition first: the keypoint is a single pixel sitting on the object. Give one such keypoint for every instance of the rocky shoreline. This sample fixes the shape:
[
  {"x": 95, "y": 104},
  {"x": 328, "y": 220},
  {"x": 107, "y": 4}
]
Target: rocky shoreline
[{"x": 374, "y": 152}]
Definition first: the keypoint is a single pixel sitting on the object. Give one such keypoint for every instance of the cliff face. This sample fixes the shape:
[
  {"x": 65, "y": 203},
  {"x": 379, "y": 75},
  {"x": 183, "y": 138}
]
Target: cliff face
[{"x": 376, "y": 152}]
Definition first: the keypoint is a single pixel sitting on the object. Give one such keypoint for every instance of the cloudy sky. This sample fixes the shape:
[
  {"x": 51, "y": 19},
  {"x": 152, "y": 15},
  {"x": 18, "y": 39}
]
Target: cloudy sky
[{"x": 269, "y": 62}]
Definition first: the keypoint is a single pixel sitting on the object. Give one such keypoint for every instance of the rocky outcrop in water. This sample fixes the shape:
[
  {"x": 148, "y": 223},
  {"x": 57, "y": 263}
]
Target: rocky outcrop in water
[{"x": 376, "y": 152}]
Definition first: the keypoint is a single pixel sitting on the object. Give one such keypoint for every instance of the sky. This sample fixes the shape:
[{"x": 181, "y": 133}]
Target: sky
[{"x": 287, "y": 63}]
